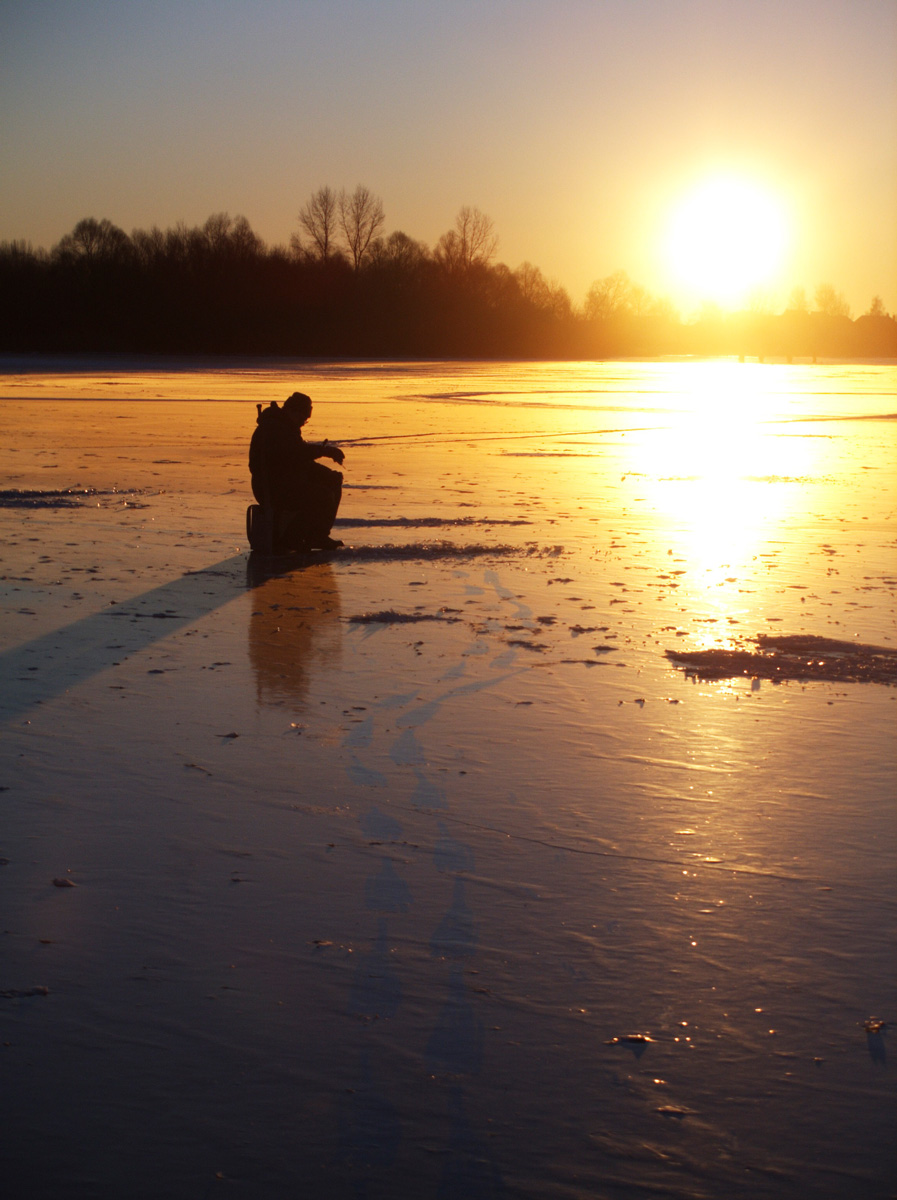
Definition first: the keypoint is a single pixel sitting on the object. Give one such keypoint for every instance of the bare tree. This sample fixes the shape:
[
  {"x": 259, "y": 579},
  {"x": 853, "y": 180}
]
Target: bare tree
[
  {"x": 608, "y": 297},
  {"x": 830, "y": 302},
  {"x": 797, "y": 301},
  {"x": 448, "y": 251},
  {"x": 533, "y": 284},
  {"x": 319, "y": 220},
  {"x": 472, "y": 243},
  {"x": 877, "y": 308},
  {"x": 398, "y": 251},
  {"x": 639, "y": 300},
  {"x": 92, "y": 241},
  {"x": 216, "y": 230},
  {"x": 148, "y": 243},
  {"x": 560, "y": 303},
  {"x": 542, "y": 293},
  {"x": 19, "y": 250},
  {"x": 231, "y": 237},
  {"x": 478, "y": 238},
  {"x": 360, "y": 219}
]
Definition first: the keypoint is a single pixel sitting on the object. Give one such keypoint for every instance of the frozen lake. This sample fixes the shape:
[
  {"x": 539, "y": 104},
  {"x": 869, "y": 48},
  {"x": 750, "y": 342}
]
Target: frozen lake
[{"x": 425, "y": 870}]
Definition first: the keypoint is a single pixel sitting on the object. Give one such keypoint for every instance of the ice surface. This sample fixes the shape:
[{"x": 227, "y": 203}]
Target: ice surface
[{"x": 423, "y": 870}]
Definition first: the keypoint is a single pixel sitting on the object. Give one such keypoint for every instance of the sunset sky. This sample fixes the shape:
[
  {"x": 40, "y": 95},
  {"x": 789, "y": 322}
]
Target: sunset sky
[{"x": 578, "y": 126}]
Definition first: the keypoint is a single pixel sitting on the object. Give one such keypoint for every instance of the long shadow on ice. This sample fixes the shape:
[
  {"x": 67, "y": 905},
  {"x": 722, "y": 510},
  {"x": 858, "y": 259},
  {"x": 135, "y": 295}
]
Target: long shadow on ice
[{"x": 48, "y": 665}]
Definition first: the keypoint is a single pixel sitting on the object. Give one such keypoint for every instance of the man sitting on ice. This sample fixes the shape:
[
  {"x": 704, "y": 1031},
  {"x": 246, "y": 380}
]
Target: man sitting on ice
[{"x": 298, "y": 496}]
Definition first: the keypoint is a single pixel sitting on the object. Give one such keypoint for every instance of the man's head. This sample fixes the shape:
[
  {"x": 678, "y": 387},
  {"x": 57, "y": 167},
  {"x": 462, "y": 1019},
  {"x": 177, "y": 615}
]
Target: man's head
[{"x": 298, "y": 407}]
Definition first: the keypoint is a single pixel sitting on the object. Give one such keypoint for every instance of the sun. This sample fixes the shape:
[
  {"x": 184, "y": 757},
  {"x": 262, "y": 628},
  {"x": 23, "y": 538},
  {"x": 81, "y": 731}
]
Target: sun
[{"x": 727, "y": 237}]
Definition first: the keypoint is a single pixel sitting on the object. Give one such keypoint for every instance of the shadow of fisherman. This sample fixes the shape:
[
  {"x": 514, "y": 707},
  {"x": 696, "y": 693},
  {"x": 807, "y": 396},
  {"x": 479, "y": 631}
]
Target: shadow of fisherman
[{"x": 297, "y": 497}]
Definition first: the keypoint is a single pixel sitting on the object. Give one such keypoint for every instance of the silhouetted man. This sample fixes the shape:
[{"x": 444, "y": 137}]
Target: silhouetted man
[{"x": 300, "y": 495}]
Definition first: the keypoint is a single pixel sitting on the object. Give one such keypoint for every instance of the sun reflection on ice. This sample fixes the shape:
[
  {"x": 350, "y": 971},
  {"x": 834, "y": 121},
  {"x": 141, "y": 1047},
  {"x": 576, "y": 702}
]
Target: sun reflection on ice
[{"x": 722, "y": 477}]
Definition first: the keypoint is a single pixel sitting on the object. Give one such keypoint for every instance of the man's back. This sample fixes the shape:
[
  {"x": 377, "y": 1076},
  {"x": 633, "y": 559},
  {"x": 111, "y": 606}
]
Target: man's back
[{"x": 278, "y": 459}]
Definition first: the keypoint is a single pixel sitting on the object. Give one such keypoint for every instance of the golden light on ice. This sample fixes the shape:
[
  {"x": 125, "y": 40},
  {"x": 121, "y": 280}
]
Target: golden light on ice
[
  {"x": 723, "y": 475},
  {"x": 726, "y": 237}
]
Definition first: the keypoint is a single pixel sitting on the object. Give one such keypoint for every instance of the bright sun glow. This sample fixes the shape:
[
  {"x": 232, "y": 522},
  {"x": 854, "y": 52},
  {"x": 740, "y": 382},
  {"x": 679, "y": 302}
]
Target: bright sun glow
[
  {"x": 722, "y": 474},
  {"x": 727, "y": 237}
]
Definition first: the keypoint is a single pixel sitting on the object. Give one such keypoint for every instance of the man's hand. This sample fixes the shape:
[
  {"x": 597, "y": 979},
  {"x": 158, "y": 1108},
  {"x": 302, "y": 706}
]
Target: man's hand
[{"x": 336, "y": 454}]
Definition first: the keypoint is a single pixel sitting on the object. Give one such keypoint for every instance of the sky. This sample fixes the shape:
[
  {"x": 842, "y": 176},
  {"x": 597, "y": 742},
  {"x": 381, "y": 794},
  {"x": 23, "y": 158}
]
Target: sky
[{"x": 577, "y": 126}]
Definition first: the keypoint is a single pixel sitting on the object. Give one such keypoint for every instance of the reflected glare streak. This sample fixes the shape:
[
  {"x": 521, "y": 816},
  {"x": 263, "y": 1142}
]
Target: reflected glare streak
[{"x": 722, "y": 479}]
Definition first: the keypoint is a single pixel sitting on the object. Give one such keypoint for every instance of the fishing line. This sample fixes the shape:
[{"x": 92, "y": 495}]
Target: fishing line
[
  {"x": 440, "y": 439},
  {"x": 553, "y": 434}
]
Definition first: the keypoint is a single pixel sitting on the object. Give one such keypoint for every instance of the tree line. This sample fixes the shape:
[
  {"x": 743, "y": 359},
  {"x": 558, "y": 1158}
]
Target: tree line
[{"x": 342, "y": 288}]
